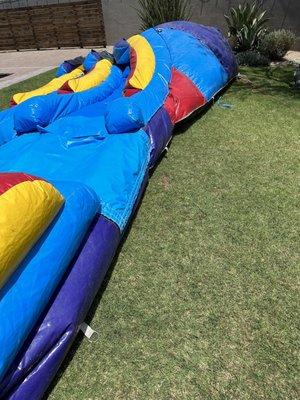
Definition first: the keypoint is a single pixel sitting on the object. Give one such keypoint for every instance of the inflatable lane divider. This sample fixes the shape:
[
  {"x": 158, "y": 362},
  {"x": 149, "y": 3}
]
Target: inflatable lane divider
[
  {"x": 93, "y": 78},
  {"x": 142, "y": 63},
  {"x": 50, "y": 87},
  {"x": 27, "y": 207}
]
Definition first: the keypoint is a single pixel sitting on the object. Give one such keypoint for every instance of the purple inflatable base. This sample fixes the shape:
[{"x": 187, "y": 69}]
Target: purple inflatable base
[{"x": 159, "y": 129}]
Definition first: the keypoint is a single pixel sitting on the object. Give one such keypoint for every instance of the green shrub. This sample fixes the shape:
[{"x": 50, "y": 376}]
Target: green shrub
[
  {"x": 252, "y": 58},
  {"x": 155, "y": 12},
  {"x": 246, "y": 25},
  {"x": 276, "y": 43}
]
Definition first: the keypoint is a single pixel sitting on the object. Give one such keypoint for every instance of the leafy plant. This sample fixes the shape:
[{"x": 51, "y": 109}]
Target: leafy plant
[
  {"x": 246, "y": 25},
  {"x": 276, "y": 43},
  {"x": 155, "y": 12},
  {"x": 252, "y": 58}
]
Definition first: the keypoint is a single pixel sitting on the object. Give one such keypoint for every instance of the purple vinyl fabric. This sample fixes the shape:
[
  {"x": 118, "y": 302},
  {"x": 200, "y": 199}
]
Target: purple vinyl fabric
[
  {"x": 212, "y": 38},
  {"x": 159, "y": 129},
  {"x": 45, "y": 349}
]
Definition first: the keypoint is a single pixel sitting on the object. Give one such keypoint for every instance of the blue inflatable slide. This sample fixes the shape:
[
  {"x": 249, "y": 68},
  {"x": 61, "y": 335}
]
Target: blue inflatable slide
[{"x": 73, "y": 165}]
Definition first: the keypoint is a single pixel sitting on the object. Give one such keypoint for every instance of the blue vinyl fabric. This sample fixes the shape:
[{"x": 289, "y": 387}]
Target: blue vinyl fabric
[
  {"x": 27, "y": 292},
  {"x": 131, "y": 113},
  {"x": 112, "y": 165},
  {"x": 63, "y": 69},
  {"x": 91, "y": 60},
  {"x": 7, "y": 131},
  {"x": 42, "y": 110},
  {"x": 121, "y": 52},
  {"x": 85, "y": 121},
  {"x": 188, "y": 54},
  {"x": 210, "y": 37}
]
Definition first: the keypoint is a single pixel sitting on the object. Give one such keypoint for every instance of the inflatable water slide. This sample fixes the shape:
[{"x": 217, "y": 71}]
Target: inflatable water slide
[{"x": 75, "y": 157}]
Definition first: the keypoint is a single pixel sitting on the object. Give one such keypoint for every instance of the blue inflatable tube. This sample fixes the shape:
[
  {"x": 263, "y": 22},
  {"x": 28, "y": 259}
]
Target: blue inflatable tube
[
  {"x": 42, "y": 110},
  {"x": 7, "y": 131},
  {"x": 25, "y": 295}
]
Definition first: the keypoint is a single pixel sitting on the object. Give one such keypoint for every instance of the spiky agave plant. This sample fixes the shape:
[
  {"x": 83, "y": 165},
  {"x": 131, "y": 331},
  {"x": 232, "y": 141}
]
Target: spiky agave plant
[
  {"x": 246, "y": 25},
  {"x": 155, "y": 12}
]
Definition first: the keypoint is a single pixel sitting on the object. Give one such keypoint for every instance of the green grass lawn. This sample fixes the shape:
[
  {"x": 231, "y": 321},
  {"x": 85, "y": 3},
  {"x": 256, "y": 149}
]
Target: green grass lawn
[
  {"x": 202, "y": 300},
  {"x": 29, "y": 84}
]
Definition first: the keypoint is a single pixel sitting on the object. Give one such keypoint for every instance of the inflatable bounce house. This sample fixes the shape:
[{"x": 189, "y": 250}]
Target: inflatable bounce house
[{"x": 75, "y": 157}]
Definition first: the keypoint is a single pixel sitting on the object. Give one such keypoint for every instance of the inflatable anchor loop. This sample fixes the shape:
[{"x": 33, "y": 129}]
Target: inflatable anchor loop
[{"x": 90, "y": 333}]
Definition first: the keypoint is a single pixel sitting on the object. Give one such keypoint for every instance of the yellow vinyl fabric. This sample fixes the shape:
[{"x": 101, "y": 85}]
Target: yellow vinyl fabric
[
  {"x": 93, "y": 78},
  {"x": 51, "y": 86},
  {"x": 143, "y": 59},
  {"x": 27, "y": 208}
]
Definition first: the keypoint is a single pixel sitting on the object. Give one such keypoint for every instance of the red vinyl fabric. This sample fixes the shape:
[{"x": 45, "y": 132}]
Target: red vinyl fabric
[{"x": 184, "y": 97}]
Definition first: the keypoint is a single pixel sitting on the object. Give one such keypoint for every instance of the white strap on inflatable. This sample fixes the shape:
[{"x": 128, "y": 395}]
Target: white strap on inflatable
[{"x": 90, "y": 333}]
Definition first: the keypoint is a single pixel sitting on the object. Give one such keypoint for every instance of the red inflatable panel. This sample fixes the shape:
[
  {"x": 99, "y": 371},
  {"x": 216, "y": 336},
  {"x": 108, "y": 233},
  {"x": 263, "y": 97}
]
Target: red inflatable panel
[
  {"x": 8, "y": 180},
  {"x": 184, "y": 97}
]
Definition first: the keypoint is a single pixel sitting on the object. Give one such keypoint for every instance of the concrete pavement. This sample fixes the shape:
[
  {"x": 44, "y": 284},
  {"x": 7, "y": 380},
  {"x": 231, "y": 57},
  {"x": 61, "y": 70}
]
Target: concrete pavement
[{"x": 25, "y": 64}]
